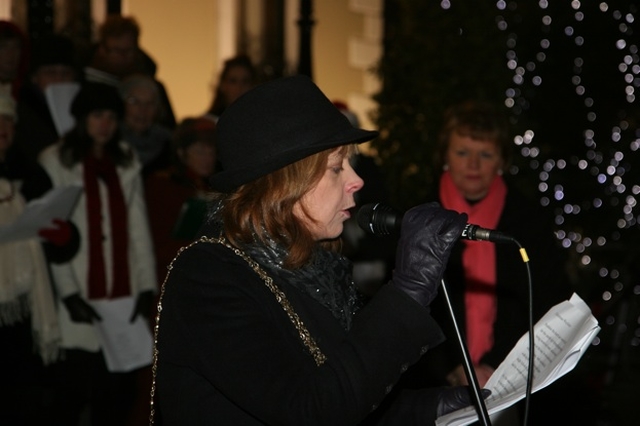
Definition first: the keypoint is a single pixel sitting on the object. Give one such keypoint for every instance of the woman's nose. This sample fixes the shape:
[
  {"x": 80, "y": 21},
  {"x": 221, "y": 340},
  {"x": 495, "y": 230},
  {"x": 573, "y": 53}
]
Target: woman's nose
[
  {"x": 474, "y": 162},
  {"x": 355, "y": 182}
]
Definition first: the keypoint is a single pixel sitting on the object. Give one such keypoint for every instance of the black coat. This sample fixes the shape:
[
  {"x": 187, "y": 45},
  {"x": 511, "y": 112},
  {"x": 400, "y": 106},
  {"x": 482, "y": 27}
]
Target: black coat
[
  {"x": 532, "y": 226},
  {"x": 229, "y": 355},
  {"x": 35, "y": 129}
]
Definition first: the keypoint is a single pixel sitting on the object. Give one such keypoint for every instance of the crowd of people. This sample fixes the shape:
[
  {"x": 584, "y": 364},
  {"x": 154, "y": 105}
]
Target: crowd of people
[
  {"x": 336, "y": 345},
  {"x": 101, "y": 120}
]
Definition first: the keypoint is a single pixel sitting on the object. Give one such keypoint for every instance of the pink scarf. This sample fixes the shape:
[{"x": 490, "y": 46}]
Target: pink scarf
[{"x": 479, "y": 262}]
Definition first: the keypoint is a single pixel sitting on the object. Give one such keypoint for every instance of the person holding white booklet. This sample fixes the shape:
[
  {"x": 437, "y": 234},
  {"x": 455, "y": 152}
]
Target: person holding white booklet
[
  {"x": 488, "y": 283},
  {"x": 561, "y": 338}
]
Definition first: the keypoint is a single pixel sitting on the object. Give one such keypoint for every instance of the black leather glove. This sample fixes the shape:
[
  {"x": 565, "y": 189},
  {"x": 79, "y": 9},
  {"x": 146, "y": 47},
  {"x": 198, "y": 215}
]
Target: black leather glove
[
  {"x": 456, "y": 397},
  {"x": 427, "y": 235},
  {"x": 79, "y": 310},
  {"x": 144, "y": 303}
]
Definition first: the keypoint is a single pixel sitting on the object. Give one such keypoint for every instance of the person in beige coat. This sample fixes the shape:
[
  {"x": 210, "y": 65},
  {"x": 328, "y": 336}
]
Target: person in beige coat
[
  {"x": 29, "y": 332},
  {"x": 115, "y": 261}
]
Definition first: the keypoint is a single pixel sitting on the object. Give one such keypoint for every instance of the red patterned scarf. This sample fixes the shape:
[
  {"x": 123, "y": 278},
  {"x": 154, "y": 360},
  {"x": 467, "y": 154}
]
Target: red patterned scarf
[
  {"x": 479, "y": 261},
  {"x": 105, "y": 170}
]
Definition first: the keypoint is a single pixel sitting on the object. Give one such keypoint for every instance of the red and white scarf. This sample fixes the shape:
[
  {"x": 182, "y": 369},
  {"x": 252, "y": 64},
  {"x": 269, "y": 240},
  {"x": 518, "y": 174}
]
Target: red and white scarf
[{"x": 479, "y": 262}]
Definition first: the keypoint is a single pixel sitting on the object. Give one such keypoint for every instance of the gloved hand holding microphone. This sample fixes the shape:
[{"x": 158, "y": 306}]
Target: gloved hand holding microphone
[{"x": 427, "y": 236}]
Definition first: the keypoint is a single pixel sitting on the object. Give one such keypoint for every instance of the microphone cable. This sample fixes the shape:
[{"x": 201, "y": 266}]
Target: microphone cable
[{"x": 530, "y": 371}]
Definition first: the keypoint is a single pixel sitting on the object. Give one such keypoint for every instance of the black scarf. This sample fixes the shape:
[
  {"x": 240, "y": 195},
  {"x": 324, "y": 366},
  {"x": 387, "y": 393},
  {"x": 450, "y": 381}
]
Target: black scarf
[{"x": 326, "y": 277}]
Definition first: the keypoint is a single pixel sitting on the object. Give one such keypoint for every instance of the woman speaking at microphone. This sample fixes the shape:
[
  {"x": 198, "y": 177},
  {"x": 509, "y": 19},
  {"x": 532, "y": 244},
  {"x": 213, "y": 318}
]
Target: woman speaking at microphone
[{"x": 259, "y": 320}]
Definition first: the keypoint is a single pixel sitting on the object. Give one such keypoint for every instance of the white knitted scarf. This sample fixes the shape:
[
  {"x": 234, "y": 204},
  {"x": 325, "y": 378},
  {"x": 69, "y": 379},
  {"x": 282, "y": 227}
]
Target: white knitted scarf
[{"x": 25, "y": 289}]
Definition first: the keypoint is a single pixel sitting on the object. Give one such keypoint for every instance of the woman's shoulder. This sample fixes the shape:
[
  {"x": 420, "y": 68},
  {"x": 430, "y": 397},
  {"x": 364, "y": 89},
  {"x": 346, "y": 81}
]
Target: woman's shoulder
[
  {"x": 208, "y": 269},
  {"x": 128, "y": 149},
  {"x": 210, "y": 259},
  {"x": 50, "y": 153},
  {"x": 50, "y": 158},
  {"x": 134, "y": 165}
]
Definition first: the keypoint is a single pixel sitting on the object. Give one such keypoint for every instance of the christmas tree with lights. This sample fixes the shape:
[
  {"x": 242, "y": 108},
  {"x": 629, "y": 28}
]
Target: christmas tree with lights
[
  {"x": 574, "y": 100},
  {"x": 568, "y": 75}
]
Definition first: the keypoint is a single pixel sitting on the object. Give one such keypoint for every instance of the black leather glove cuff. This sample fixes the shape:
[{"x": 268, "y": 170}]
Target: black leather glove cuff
[
  {"x": 414, "y": 289},
  {"x": 79, "y": 310},
  {"x": 456, "y": 397}
]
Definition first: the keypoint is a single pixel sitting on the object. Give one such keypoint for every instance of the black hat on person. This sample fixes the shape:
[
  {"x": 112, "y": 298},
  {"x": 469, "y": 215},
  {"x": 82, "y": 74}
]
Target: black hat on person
[
  {"x": 276, "y": 124},
  {"x": 54, "y": 49},
  {"x": 96, "y": 96}
]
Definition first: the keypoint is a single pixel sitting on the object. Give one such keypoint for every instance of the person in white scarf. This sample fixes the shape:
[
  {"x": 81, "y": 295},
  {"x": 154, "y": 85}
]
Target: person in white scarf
[{"x": 28, "y": 318}]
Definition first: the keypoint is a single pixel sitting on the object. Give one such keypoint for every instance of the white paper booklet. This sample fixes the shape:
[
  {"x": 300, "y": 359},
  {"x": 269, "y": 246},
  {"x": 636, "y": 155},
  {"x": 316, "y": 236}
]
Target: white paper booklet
[
  {"x": 562, "y": 336},
  {"x": 126, "y": 346},
  {"x": 39, "y": 213},
  {"x": 59, "y": 97}
]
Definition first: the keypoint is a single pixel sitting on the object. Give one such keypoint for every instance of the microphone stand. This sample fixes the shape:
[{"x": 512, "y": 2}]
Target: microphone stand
[{"x": 481, "y": 408}]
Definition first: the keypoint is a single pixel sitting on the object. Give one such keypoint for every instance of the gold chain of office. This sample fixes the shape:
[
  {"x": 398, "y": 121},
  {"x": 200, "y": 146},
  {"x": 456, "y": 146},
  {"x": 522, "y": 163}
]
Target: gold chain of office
[{"x": 304, "y": 334}]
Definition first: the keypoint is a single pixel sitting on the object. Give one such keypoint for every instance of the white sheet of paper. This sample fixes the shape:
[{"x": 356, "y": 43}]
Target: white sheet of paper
[
  {"x": 39, "y": 213},
  {"x": 562, "y": 336},
  {"x": 126, "y": 346},
  {"x": 59, "y": 97}
]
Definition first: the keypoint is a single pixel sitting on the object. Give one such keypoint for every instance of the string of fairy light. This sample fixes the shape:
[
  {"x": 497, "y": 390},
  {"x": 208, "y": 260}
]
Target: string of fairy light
[
  {"x": 606, "y": 168},
  {"x": 605, "y": 165}
]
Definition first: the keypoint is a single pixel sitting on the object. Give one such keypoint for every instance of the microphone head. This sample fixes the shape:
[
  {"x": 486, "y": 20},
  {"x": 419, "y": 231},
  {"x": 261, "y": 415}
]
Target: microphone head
[{"x": 378, "y": 219}]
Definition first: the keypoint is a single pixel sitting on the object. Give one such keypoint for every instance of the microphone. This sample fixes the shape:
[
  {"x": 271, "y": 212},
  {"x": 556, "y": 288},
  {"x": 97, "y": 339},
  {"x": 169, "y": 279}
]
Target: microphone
[{"x": 380, "y": 219}]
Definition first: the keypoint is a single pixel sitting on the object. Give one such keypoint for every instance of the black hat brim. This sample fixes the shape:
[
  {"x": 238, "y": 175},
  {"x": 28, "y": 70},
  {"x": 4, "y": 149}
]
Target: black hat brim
[{"x": 226, "y": 181}]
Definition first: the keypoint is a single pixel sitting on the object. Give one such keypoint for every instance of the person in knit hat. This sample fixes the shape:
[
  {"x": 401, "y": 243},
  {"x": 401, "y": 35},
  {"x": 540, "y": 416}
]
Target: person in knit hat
[{"x": 114, "y": 267}]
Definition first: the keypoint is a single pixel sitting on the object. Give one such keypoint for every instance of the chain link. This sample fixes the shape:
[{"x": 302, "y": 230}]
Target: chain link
[{"x": 304, "y": 334}]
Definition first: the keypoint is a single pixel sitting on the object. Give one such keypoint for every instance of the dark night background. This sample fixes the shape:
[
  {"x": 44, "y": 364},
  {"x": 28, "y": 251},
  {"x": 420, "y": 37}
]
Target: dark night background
[{"x": 567, "y": 74}]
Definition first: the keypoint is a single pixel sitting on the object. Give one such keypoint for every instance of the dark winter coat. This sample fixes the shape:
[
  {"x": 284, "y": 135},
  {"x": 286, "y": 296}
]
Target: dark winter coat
[
  {"x": 531, "y": 225},
  {"x": 229, "y": 355}
]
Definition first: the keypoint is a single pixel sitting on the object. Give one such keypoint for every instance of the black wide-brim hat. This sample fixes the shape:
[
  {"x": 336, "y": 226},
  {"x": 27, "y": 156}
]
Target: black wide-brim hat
[
  {"x": 94, "y": 96},
  {"x": 276, "y": 124}
]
